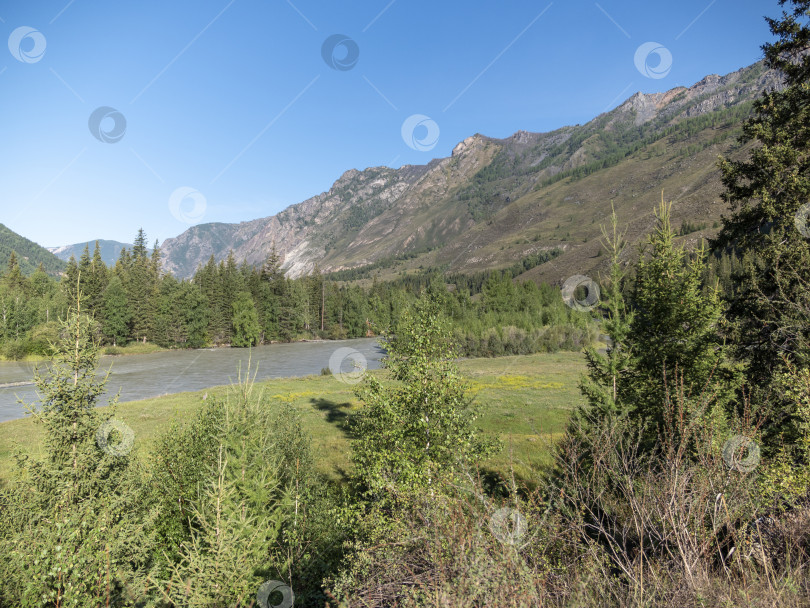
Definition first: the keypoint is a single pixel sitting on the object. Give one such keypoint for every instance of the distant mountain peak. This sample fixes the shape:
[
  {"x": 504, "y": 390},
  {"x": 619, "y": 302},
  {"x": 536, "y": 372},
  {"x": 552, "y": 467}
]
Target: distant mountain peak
[{"x": 467, "y": 144}]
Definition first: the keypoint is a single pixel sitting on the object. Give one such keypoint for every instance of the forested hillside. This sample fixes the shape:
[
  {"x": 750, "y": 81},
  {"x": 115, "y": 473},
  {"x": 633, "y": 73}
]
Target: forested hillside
[{"x": 29, "y": 254}]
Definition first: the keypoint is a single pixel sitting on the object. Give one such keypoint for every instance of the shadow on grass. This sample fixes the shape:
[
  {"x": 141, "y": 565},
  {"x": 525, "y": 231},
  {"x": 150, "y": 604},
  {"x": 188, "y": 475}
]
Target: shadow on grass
[{"x": 336, "y": 413}]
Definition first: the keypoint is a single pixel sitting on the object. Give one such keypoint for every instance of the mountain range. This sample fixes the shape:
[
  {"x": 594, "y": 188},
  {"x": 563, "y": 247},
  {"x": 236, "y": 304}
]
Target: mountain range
[
  {"x": 110, "y": 250},
  {"x": 494, "y": 202}
]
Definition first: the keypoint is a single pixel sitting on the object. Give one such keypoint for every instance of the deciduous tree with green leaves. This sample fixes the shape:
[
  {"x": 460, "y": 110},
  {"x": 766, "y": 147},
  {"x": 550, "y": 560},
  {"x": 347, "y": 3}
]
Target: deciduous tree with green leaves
[{"x": 418, "y": 430}]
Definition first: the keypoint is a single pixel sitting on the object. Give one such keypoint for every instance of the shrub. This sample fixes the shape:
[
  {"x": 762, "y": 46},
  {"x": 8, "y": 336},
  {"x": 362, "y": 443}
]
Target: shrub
[
  {"x": 16, "y": 350},
  {"x": 43, "y": 337}
]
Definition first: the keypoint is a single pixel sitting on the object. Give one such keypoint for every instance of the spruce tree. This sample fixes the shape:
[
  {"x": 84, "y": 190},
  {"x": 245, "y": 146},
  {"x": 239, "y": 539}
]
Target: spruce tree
[
  {"x": 601, "y": 385},
  {"x": 674, "y": 336},
  {"x": 116, "y": 315},
  {"x": 68, "y": 534},
  {"x": 13, "y": 279},
  {"x": 768, "y": 194},
  {"x": 245, "y": 321}
]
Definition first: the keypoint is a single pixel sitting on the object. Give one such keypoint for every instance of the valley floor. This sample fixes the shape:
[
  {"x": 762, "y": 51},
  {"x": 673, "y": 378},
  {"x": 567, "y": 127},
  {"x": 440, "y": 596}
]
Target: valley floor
[{"x": 525, "y": 399}]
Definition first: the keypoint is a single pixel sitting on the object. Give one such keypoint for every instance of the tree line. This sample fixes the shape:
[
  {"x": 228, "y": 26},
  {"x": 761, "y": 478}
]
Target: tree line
[{"x": 226, "y": 303}]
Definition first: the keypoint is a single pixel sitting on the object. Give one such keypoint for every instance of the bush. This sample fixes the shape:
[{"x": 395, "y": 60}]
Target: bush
[
  {"x": 16, "y": 350},
  {"x": 42, "y": 339}
]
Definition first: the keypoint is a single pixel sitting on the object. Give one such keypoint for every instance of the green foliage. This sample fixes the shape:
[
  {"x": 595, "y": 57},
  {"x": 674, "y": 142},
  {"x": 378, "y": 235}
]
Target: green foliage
[
  {"x": 766, "y": 191},
  {"x": 667, "y": 342},
  {"x": 115, "y": 325},
  {"x": 29, "y": 254},
  {"x": 235, "y": 486},
  {"x": 418, "y": 431},
  {"x": 67, "y": 527},
  {"x": 674, "y": 335},
  {"x": 245, "y": 321},
  {"x": 601, "y": 386}
]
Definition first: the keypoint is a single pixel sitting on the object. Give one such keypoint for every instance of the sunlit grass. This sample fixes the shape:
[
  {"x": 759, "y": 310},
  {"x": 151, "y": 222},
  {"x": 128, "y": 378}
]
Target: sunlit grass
[{"x": 526, "y": 400}]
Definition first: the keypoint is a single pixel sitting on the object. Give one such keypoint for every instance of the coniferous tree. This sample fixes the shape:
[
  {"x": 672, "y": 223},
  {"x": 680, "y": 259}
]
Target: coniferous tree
[
  {"x": 673, "y": 337},
  {"x": 245, "y": 321},
  {"x": 68, "y": 522},
  {"x": 141, "y": 286},
  {"x": 139, "y": 247},
  {"x": 192, "y": 307},
  {"x": 116, "y": 313},
  {"x": 601, "y": 385},
  {"x": 94, "y": 279},
  {"x": 768, "y": 225},
  {"x": 13, "y": 279}
]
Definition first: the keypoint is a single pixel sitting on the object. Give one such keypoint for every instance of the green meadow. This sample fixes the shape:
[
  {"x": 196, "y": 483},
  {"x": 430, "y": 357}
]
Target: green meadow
[{"x": 525, "y": 400}]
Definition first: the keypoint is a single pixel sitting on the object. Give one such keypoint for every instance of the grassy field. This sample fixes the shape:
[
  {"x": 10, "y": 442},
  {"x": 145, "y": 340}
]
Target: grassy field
[{"x": 526, "y": 400}]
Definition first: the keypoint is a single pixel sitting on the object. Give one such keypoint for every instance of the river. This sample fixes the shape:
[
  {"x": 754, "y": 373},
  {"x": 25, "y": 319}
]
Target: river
[{"x": 177, "y": 371}]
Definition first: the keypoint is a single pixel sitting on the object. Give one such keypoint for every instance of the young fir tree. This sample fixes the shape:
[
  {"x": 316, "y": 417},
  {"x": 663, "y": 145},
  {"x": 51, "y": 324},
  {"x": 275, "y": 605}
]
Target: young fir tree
[
  {"x": 768, "y": 226},
  {"x": 601, "y": 385},
  {"x": 248, "y": 506},
  {"x": 674, "y": 336},
  {"x": 66, "y": 534}
]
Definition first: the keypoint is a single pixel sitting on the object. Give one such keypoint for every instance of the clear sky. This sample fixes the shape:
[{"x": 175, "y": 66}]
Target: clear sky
[{"x": 120, "y": 115}]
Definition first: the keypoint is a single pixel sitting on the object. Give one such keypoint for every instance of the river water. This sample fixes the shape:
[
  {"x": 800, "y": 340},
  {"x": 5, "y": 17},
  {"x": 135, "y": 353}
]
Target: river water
[{"x": 145, "y": 376}]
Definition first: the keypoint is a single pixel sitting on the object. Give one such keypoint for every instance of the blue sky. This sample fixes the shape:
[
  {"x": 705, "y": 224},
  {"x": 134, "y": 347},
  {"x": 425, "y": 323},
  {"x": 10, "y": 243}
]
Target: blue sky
[{"x": 229, "y": 110}]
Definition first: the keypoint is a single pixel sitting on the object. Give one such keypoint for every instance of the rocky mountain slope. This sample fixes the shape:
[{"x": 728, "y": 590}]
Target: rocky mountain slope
[{"x": 495, "y": 201}]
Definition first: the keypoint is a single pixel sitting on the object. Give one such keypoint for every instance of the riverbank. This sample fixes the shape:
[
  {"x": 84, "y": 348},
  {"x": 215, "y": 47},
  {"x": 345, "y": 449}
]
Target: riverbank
[
  {"x": 148, "y": 348},
  {"x": 133, "y": 348},
  {"x": 524, "y": 399}
]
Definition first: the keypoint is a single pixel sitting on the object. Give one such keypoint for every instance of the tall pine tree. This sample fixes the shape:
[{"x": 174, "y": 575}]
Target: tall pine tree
[{"x": 768, "y": 193}]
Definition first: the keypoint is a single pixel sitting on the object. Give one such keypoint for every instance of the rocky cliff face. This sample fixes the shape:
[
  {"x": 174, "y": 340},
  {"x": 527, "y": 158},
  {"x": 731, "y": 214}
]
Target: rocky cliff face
[
  {"x": 711, "y": 94},
  {"x": 471, "y": 197}
]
